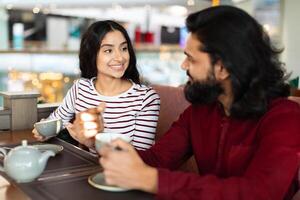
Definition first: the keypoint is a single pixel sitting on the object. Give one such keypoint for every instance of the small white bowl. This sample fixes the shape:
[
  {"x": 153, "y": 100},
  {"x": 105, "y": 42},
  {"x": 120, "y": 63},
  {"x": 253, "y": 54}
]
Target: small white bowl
[{"x": 48, "y": 128}]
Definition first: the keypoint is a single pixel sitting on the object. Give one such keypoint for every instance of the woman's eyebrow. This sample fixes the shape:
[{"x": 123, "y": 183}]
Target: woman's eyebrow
[
  {"x": 111, "y": 45},
  {"x": 125, "y": 42},
  {"x": 106, "y": 45}
]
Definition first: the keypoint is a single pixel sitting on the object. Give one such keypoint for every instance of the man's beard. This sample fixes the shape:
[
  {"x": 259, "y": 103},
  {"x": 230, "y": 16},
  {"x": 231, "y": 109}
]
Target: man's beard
[{"x": 203, "y": 92}]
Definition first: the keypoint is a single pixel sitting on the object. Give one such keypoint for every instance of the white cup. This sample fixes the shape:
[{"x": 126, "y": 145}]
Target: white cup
[
  {"x": 102, "y": 139},
  {"x": 48, "y": 128}
]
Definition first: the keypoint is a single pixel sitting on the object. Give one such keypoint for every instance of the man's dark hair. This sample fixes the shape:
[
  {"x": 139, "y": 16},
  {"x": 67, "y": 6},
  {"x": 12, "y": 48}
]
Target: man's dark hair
[
  {"x": 236, "y": 39},
  {"x": 90, "y": 45}
]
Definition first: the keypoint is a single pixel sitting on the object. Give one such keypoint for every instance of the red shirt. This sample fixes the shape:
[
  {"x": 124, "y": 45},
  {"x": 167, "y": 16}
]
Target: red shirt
[{"x": 237, "y": 159}]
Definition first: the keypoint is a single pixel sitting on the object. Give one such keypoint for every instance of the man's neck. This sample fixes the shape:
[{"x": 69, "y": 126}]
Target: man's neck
[
  {"x": 226, "y": 98},
  {"x": 226, "y": 101}
]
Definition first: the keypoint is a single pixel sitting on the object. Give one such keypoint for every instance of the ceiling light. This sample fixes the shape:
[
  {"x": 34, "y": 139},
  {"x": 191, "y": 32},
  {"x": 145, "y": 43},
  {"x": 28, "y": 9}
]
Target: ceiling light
[
  {"x": 267, "y": 27},
  {"x": 190, "y": 2},
  {"x": 36, "y": 10},
  {"x": 177, "y": 10},
  {"x": 9, "y": 6}
]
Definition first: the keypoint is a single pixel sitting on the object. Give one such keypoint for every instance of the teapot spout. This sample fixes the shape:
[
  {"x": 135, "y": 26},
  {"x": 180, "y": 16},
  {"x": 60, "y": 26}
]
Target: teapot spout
[{"x": 44, "y": 158}]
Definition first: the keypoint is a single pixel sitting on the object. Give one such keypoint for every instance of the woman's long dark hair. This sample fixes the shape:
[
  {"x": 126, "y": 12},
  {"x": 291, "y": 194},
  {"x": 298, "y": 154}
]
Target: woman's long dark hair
[
  {"x": 231, "y": 35},
  {"x": 90, "y": 45}
]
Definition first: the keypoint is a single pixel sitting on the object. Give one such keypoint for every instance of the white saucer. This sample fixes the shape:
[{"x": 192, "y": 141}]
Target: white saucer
[
  {"x": 52, "y": 147},
  {"x": 97, "y": 180}
]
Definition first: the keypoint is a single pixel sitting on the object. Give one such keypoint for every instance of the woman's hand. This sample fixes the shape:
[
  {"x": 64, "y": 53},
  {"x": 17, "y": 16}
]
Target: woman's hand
[
  {"x": 38, "y": 136},
  {"x": 124, "y": 168},
  {"x": 86, "y": 125}
]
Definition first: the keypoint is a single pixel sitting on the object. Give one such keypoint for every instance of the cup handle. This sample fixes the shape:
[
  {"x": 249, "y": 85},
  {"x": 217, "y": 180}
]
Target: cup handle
[{"x": 2, "y": 151}]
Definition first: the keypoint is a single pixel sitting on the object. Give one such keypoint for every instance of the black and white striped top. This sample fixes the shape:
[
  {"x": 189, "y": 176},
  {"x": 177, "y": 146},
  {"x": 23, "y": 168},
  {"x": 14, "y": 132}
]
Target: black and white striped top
[{"x": 134, "y": 112}]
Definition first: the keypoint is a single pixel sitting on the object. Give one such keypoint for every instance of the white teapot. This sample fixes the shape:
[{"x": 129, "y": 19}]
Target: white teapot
[{"x": 24, "y": 163}]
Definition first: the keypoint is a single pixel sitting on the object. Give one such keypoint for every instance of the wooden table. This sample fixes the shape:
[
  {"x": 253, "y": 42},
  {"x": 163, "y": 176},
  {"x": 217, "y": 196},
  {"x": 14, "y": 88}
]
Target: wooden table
[
  {"x": 65, "y": 176},
  {"x": 15, "y": 137}
]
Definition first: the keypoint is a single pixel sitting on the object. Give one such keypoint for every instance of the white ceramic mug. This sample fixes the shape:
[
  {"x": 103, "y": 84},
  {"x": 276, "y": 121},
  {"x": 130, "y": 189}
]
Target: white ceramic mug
[{"x": 102, "y": 139}]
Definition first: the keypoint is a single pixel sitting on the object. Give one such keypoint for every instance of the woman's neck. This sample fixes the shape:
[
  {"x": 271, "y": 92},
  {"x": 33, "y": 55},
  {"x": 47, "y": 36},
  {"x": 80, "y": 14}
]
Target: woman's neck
[{"x": 110, "y": 86}]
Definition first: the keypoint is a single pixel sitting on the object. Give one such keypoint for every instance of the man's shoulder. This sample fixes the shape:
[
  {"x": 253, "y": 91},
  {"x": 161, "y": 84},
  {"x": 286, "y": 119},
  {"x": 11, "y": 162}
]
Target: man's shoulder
[
  {"x": 283, "y": 105},
  {"x": 280, "y": 108}
]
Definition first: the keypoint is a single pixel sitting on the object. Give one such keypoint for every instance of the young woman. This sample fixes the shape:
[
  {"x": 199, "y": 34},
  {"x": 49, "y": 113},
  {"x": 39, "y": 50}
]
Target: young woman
[{"x": 109, "y": 75}]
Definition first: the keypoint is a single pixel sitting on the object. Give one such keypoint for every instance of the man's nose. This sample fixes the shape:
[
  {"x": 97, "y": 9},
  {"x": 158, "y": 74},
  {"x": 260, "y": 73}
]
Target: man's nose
[{"x": 184, "y": 65}]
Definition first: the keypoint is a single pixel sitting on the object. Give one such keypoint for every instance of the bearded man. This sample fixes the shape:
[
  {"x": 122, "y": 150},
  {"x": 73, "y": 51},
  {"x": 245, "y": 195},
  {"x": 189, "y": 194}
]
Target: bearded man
[{"x": 241, "y": 128}]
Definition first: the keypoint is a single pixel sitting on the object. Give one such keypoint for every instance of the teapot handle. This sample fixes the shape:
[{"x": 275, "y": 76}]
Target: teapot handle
[{"x": 2, "y": 151}]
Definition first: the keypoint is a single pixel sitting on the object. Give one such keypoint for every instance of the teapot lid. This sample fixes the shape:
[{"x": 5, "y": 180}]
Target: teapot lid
[
  {"x": 25, "y": 147},
  {"x": 24, "y": 143}
]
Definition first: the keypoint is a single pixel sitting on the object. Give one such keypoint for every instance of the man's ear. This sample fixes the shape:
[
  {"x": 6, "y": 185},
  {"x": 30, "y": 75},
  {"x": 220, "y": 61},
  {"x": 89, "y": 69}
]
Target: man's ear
[{"x": 221, "y": 72}]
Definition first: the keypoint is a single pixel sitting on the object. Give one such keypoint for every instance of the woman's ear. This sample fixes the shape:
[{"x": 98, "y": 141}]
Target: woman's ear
[{"x": 221, "y": 72}]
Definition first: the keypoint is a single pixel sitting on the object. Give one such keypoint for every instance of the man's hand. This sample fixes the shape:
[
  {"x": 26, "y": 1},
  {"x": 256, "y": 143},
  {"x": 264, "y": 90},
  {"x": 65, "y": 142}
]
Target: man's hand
[
  {"x": 86, "y": 125},
  {"x": 124, "y": 168}
]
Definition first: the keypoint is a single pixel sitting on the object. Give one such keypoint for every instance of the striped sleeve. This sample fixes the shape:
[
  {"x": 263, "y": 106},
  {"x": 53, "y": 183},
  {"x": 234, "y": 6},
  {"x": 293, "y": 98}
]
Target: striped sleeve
[
  {"x": 66, "y": 110},
  {"x": 146, "y": 121}
]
